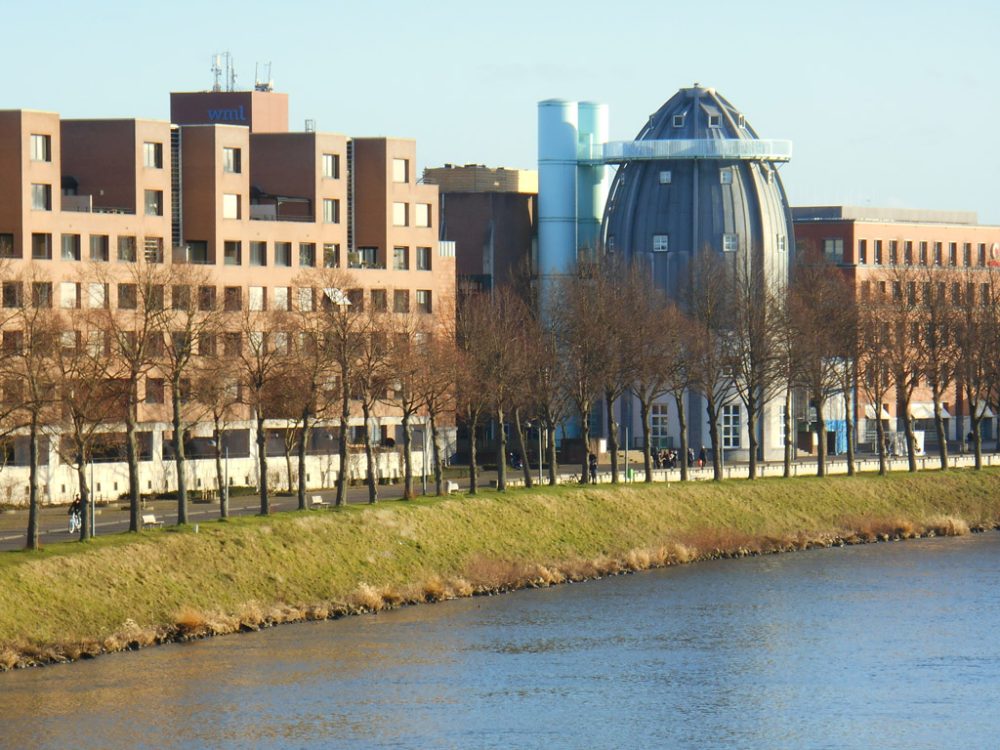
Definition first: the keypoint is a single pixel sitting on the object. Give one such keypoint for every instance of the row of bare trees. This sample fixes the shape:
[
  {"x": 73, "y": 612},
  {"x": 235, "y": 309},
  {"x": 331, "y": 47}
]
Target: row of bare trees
[{"x": 150, "y": 339}]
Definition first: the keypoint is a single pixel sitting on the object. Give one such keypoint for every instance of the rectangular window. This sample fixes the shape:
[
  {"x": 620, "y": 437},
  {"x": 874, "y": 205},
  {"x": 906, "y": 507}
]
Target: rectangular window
[
  {"x": 307, "y": 254},
  {"x": 231, "y": 205},
  {"x": 908, "y": 252},
  {"x": 938, "y": 253},
  {"x": 232, "y": 160},
  {"x": 967, "y": 254},
  {"x": 659, "y": 426},
  {"x": 923, "y": 254},
  {"x": 714, "y": 121},
  {"x": 331, "y": 255},
  {"x": 41, "y": 147},
  {"x": 232, "y": 344},
  {"x": 69, "y": 295},
  {"x": 424, "y": 301},
  {"x": 400, "y": 170},
  {"x": 258, "y": 253},
  {"x": 154, "y": 390},
  {"x": 232, "y": 299},
  {"x": 878, "y": 252},
  {"x": 126, "y": 249},
  {"x": 661, "y": 243},
  {"x": 71, "y": 247},
  {"x": 401, "y": 301},
  {"x": 208, "y": 345},
  {"x": 726, "y": 176},
  {"x": 180, "y": 297},
  {"x": 862, "y": 252},
  {"x": 400, "y": 214},
  {"x": 41, "y": 197},
  {"x": 893, "y": 252},
  {"x": 423, "y": 259},
  {"x": 283, "y": 254},
  {"x": 380, "y": 301},
  {"x": 206, "y": 298},
  {"x": 306, "y": 303},
  {"x": 422, "y": 214},
  {"x": 331, "y": 166},
  {"x": 128, "y": 297},
  {"x": 833, "y": 249},
  {"x": 41, "y": 246},
  {"x": 355, "y": 298},
  {"x": 154, "y": 202},
  {"x": 731, "y": 426},
  {"x": 781, "y": 243},
  {"x": 41, "y": 294},
  {"x": 981, "y": 254},
  {"x": 401, "y": 259},
  {"x": 100, "y": 247},
  {"x": 280, "y": 298},
  {"x": 678, "y": 121},
  {"x": 257, "y": 298},
  {"x": 152, "y": 155},
  {"x": 152, "y": 249},
  {"x": 730, "y": 243},
  {"x": 331, "y": 211},
  {"x": 12, "y": 294},
  {"x": 7, "y": 246},
  {"x": 233, "y": 253},
  {"x": 197, "y": 252},
  {"x": 666, "y": 176},
  {"x": 952, "y": 253}
]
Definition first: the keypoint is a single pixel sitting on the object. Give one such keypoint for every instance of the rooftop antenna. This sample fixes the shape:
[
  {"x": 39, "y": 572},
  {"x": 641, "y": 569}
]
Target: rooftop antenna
[
  {"x": 265, "y": 83},
  {"x": 218, "y": 70}
]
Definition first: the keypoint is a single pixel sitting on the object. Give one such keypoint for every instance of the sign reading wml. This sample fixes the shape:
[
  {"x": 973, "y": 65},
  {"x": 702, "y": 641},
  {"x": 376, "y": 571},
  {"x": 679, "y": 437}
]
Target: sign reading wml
[{"x": 232, "y": 114}]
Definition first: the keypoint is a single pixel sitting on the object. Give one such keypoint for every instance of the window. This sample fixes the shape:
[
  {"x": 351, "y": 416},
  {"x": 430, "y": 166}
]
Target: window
[
  {"x": 731, "y": 426},
  {"x": 283, "y": 254},
  {"x": 730, "y": 243},
  {"x": 231, "y": 205},
  {"x": 679, "y": 121},
  {"x": 401, "y": 259},
  {"x": 154, "y": 202},
  {"x": 70, "y": 341},
  {"x": 232, "y": 160},
  {"x": 206, "y": 298},
  {"x": 281, "y": 298},
  {"x": 400, "y": 215},
  {"x": 423, "y": 259},
  {"x": 380, "y": 301},
  {"x": 232, "y": 344},
  {"x": 154, "y": 390},
  {"x": 126, "y": 249},
  {"x": 180, "y": 297},
  {"x": 41, "y": 294},
  {"x": 232, "y": 253},
  {"x": 331, "y": 166},
  {"x": 331, "y": 211},
  {"x": 307, "y": 254},
  {"x": 741, "y": 122},
  {"x": 833, "y": 249},
  {"x": 331, "y": 255},
  {"x": 714, "y": 121},
  {"x": 981, "y": 254},
  {"x": 208, "y": 345},
  {"x": 197, "y": 252},
  {"x": 923, "y": 253},
  {"x": 97, "y": 295},
  {"x": 232, "y": 299},
  {"x": 893, "y": 252},
  {"x": 128, "y": 297},
  {"x": 152, "y": 248},
  {"x": 41, "y": 246},
  {"x": 41, "y": 147},
  {"x": 666, "y": 176},
  {"x": 661, "y": 243},
  {"x": 12, "y": 294},
  {"x": 726, "y": 176},
  {"x": 355, "y": 298},
  {"x": 152, "y": 155},
  {"x": 938, "y": 252},
  {"x": 862, "y": 252},
  {"x": 952, "y": 253},
  {"x": 422, "y": 214},
  {"x": 967, "y": 254},
  {"x": 71, "y": 247},
  {"x": 908, "y": 252},
  {"x": 781, "y": 243},
  {"x": 878, "y": 252},
  {"x": 100, "y": 247},
  {"x": 363, "y": 257},
  {"x": 13, "y": 341},
  {"x": 424, "y": 300},
  {"x": 400, "y": 170},
  {"x": 154, "y": 297},
  {"x": 69, "y": 295},
  {"x": 258, "y": 253},
  {"x": 7, "y": 246},
  {"x": 257, "y": 298},
  {"x": 659, "y": 426},
  {"x": 41, "y": 197},
  {"x": 401, "y": 301},
  {"x": 306, "y": 303}
]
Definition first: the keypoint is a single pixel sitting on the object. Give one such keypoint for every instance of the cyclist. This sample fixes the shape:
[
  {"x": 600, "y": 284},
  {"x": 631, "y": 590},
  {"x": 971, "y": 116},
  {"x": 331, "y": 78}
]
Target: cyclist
[{"x": 75, "y": 515}]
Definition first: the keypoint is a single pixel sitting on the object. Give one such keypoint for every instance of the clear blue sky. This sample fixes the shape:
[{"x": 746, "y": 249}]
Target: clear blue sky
[{"x": 886, "y": 102}]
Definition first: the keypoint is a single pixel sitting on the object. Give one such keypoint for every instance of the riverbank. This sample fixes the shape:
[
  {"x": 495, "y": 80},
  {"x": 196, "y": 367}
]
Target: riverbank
[{"x": 73, "y": 601}]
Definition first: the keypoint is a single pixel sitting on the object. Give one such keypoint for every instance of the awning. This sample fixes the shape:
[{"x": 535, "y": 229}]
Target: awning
[
  {"x": 983, "y": 409},
  {"x": 870, "y": 412},
  {"x": 922, "y": 410}
]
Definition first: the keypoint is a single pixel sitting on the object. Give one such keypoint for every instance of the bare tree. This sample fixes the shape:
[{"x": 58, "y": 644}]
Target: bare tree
[
  {"x": 874, "y": 372},
  {"x": 900, "y": 307},
  {"x": 438, "y": 374},
  {"x": 408, "y": 336},
  {"x": 219, "y": 395},
  {"x": 369, "y": 382},
  {"x": 976, "y": 335}
]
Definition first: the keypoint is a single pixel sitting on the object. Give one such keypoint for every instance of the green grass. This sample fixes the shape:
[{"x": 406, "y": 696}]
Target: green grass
[{"x": 75, "y": 599}]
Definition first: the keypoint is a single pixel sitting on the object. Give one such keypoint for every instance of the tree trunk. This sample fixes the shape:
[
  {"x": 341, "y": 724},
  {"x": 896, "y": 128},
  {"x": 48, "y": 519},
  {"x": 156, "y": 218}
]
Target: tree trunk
[
  {"x": 33, "y": 509},
  {"x": 821, "y": 444},
  {"x": 789, "y": 438},
  {"x": 850, "y": 402},
  {"x": 939, "y": 430},
  {"x": 132, "y": 455},
  {"x": 609, "y": 400},
  {"x": 288, "y": 462},
  {"x": 585, "y": 436},
  {"x": 265, "y": 503},
  {"x": 752, "y": 438},
  {"x": 883, "y": 467},
  {"x": 436, "y": 450},
  {"x": 977, "y": 439},
  {"x": 220, "y": 478},
  {"x": 682, "y": 428},
  {"x": 647, "y": 449},
  {"x": 86, "y": 532},
  {"x": 302, "y": 446},
  {"x": 342, "y": 452},
  {"x": 473, "y": 468},
  {"x": 522, "y": 445},
  {"x": 371, "y": 468},
  {"x": 550, "y": 448},
  {"x": 179, "y": 457},
  {"x": 713, "y": 431},
  {"x": 501, "y": 452},
  {"x": 408, "y": 457},
  {"x": 911, "y": 443}
]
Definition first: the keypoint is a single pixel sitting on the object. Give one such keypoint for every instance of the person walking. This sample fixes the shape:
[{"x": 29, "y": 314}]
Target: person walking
[
  {"x": 702, "y": 457},
  {"x": 592, "y": 462}
]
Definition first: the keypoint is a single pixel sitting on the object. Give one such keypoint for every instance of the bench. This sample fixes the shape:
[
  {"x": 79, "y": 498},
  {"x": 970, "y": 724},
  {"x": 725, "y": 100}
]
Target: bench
[
  {"x": 450, "y": 487},
  {"x": 149, "y": 519},
  {"x": 317, "y": 501}
]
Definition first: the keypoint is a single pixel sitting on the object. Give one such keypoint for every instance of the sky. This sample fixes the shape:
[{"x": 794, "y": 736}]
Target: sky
[{"x": 885, "y": 101}]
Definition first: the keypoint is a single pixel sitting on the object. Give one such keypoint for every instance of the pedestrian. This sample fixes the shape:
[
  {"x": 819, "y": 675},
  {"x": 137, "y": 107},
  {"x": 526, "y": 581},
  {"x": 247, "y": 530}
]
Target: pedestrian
[
  {"x": 592, "y": 462},
  {"x": 690, "y": 457},
  {"x": 702, "y": 457}
]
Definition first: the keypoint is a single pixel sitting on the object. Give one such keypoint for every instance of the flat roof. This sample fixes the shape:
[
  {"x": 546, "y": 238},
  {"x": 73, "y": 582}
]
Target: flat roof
[{"x": 885, "y": 215}]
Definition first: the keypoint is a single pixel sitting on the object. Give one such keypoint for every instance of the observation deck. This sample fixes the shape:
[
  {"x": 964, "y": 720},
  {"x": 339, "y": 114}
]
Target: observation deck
[{"x": 618, "y": 152}]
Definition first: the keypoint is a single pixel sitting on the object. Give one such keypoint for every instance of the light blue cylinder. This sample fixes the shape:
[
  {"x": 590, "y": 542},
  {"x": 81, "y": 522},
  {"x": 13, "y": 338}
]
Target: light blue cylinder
[
  {"x": 557, "y": 196},
  {"x": 593, "y": 180}
]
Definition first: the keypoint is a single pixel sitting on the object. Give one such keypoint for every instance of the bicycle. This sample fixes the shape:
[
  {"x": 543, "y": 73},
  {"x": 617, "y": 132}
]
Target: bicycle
[{"x": 75, "y": 522}]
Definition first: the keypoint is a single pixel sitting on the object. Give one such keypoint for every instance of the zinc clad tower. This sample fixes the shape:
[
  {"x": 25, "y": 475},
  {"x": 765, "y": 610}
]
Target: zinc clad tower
[{"x": 698, "y": 179}]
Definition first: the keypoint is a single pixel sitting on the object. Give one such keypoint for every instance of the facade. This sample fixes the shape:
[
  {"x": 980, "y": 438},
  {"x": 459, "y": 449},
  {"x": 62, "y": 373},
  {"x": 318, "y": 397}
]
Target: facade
[
  {"x": 867, "y": 244},
  {"x": 491, "y": 216},
  {"x": 227, "y": 191}
]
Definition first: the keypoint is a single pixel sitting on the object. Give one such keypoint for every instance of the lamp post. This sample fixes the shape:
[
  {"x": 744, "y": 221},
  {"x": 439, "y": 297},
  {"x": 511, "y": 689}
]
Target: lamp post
[
  {"x": 539, "y": 452},
  {"x": 93, "y": 497},
  {"x": 423, "y": 458}
]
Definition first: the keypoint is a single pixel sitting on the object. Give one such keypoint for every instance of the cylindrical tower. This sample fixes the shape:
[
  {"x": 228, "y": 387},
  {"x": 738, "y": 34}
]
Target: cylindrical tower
[{"x": 557, "y": 192}]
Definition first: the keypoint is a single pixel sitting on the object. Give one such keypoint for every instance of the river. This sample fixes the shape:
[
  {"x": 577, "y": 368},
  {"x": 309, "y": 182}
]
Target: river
[{"x": 887, "y": 646}]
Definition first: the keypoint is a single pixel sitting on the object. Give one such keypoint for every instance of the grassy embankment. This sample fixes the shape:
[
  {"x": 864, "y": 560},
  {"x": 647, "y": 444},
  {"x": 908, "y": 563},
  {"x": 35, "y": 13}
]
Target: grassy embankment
[{"x": 75, "y": 600}]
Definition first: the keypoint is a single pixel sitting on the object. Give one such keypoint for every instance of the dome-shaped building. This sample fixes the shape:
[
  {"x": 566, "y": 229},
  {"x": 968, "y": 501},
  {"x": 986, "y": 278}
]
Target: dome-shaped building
[{"x": 698, "y": 177}]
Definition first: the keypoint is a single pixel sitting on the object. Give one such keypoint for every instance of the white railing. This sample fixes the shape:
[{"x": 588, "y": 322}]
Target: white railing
[{"x": 702, "y": 148}]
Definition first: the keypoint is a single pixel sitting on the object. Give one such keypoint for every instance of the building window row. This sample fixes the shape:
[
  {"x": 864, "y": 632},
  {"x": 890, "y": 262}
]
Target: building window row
[
  {"x": 401, "y": 214},
  {"x": 928, "y": 253}
]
